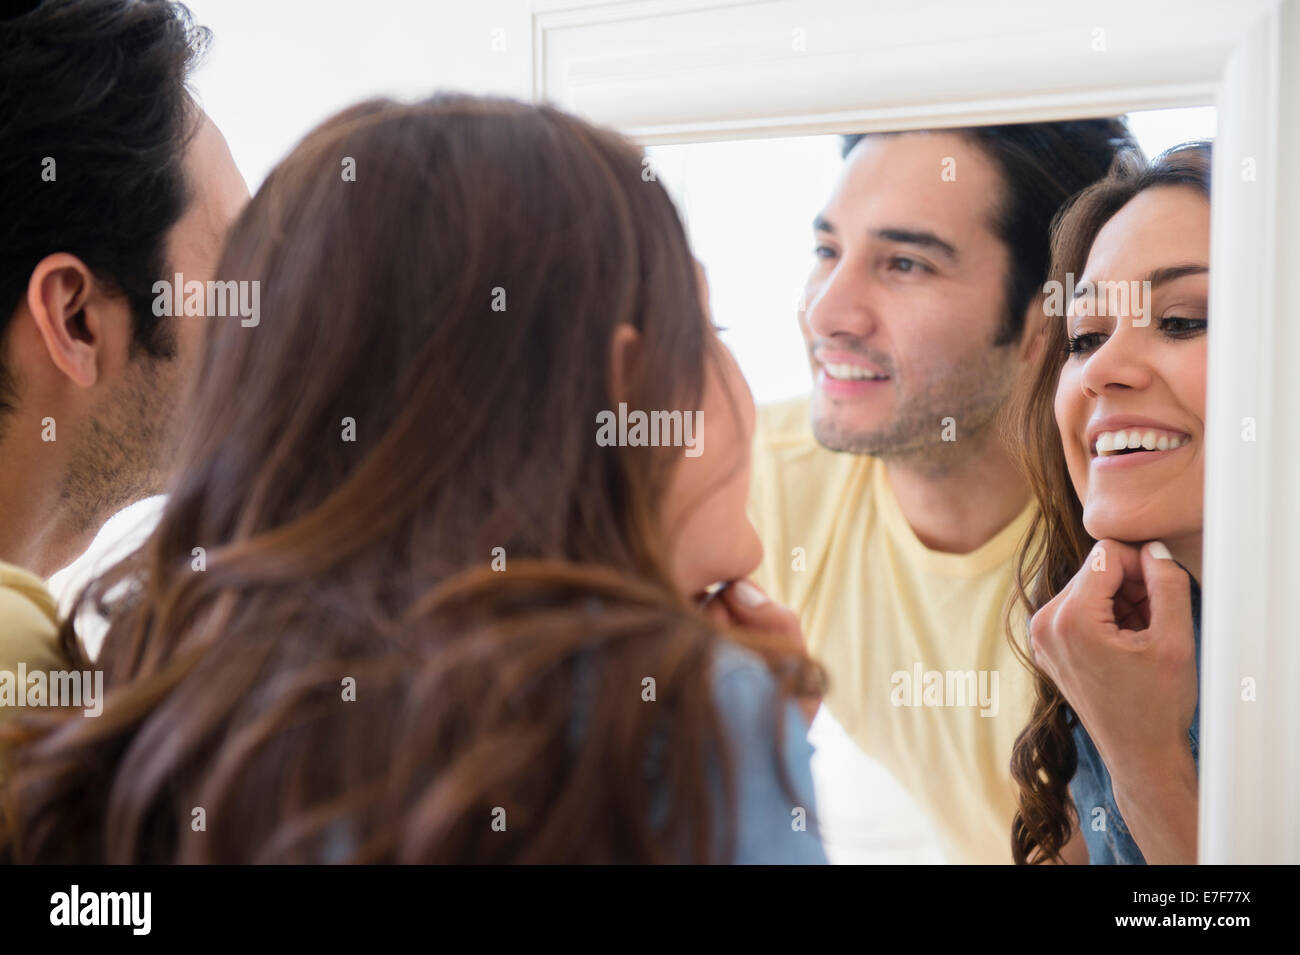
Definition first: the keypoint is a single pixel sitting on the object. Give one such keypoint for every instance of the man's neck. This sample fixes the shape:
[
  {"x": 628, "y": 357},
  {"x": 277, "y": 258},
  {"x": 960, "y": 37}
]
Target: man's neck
[
  {"x": 958, "y": 504},
  {"x": 36, "y": 531}
]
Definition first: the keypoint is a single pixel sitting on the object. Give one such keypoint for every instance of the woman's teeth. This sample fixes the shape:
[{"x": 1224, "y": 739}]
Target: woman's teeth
[
  {"x": 851, "y": 373},
  {"x": 1116, "y": 442}
]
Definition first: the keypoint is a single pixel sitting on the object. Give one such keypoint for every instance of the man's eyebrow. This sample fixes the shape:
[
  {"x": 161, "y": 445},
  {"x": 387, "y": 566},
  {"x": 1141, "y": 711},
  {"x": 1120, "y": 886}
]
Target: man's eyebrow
[
  {"x": 918, "y": 237},
  {"x": 1155, "y": 277}
]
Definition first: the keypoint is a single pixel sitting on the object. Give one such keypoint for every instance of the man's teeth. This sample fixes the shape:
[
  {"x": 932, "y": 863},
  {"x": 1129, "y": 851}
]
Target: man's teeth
[
  {"x": 851, "y": 373},
  {"x": 1113, "y": 442}
]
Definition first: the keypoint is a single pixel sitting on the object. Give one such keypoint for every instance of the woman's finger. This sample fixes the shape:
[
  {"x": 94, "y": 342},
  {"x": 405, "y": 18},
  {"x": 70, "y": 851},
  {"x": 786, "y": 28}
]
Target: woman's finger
[{"x": 752, "y": 608}]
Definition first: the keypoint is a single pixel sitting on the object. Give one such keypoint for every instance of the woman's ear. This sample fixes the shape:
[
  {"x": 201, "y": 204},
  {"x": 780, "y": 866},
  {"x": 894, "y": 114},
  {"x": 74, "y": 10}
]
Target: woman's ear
[
  {"x": 624, "y": 359},
  {"x": 59, "y": 295}
]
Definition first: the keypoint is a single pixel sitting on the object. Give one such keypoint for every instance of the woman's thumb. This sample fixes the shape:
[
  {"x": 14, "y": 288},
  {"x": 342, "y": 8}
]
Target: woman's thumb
[{"x": 1169, "y": 589}]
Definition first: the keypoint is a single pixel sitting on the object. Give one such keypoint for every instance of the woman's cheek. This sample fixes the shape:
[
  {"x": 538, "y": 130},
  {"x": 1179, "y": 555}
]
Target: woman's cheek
[
  {"x": 748, "y": 549},
  {"x": 718, "y": 542},
  {"x": 1071, "y": 414}
]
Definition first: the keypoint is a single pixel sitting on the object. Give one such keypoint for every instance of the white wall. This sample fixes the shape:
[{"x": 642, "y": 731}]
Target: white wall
[{"x": 276, "y": 69}]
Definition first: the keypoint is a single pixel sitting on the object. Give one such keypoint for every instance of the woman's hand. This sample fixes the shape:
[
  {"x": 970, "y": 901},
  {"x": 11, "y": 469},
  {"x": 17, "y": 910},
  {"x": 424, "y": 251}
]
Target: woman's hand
[
  {"x": 742, "y": 604},
  {"x": 1118, "y": 643}
]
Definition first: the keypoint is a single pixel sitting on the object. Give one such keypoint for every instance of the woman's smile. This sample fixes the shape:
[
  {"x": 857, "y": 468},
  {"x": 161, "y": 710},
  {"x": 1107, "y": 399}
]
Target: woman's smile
[
  {"x": 1121, "y": 460},
  {"x": 1128, "y": 441}
]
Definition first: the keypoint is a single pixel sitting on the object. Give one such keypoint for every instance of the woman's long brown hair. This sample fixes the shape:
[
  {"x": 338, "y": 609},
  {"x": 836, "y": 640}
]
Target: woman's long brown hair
[
  {"x": 1043, "y": 760},
  {"x": 440, "y": 286}
]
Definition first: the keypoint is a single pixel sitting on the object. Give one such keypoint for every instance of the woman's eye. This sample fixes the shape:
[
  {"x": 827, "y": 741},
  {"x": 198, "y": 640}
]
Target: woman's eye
[
  {"x": 1176, "y": 327},
  {"x": 1082, "y": 344},
  {"x": 824, "y": 252}
]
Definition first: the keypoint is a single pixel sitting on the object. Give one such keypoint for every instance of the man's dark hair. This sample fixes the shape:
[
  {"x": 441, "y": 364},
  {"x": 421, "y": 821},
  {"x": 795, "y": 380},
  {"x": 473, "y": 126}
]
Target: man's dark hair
[
  {"x": 97, "y": 86},
  {"x": 1042, "y": 165}
]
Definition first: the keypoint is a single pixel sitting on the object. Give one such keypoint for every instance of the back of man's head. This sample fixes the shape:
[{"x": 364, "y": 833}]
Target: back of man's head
[
  {"x": 1042, "y": 165},
  {"x": 94, "y": 122}
]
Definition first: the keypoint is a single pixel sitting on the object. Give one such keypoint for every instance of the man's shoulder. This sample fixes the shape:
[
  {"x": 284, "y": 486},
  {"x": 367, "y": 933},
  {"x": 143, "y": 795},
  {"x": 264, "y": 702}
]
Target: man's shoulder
[
  {"x": 788, "y": 455},
  {"x": 785, "y": 424},
  {"x": 29, "y": 623},
  {"x": 802, "y": 495}
]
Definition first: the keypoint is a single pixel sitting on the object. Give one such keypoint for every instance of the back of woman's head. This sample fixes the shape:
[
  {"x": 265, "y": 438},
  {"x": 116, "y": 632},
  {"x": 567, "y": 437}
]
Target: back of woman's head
[
  {"x": 401, "y": 604},
  {"x": 442, "y": 281},
  {"x": 1044, "y": 759}
]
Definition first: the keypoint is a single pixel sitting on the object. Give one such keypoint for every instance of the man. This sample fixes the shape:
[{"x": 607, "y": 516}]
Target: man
[
  {"x": 896, "y": 552},
  {"x": 111, "y": 179}
]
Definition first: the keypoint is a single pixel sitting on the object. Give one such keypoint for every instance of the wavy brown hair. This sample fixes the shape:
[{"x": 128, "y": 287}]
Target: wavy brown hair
[
  {"x": 1043, "y": 760},
  {"x": 453, "y": 307}
]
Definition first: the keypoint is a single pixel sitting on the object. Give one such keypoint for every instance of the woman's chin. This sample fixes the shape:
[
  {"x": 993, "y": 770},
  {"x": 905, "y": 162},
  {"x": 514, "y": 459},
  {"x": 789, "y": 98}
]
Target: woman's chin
[
  {"x": 1129, "y": 528},
  {"x": 699, "y": 569}
]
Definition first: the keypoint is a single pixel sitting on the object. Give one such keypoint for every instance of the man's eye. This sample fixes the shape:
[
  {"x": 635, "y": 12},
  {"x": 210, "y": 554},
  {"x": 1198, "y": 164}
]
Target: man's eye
[
  {"x": 824, "y": 252},
  {"x": 901, "y": 263},
  {"x": 1082, "y": 344}
]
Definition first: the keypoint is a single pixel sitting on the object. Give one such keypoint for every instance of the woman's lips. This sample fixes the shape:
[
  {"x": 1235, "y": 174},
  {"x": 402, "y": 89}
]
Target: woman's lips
[
  {"x": 1132, "y": 459},
  {"x": 1120, "y": 440}
]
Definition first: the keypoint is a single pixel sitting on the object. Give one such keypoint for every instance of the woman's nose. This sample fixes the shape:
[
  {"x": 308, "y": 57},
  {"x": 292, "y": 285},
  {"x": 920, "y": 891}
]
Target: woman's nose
[{"x": 1118, "y": 363}]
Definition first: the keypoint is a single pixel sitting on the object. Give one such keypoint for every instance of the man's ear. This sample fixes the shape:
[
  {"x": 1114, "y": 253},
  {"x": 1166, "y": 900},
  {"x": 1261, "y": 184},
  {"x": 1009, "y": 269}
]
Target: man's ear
[
  {"x": 74, "y": 318},
  {"x": 1033, "y": 334},
  {"x": 624, "y": 356}
]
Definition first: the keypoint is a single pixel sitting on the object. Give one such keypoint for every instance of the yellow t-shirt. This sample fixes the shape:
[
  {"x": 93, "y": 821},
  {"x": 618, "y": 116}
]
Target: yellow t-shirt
[
  {"x": 29, "y": 627},
  {"x": 912, "y": 639}
]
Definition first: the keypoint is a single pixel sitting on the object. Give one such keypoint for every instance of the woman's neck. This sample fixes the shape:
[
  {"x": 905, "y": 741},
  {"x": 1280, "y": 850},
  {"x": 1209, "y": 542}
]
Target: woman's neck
[{"x": 1187, "y": 551}]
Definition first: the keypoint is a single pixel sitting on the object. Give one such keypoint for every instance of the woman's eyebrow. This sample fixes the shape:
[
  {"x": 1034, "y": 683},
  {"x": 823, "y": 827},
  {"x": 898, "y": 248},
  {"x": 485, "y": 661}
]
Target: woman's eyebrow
[
  {"x": 1155, "y": 277},
  {"x": 1169, "y": 273}
]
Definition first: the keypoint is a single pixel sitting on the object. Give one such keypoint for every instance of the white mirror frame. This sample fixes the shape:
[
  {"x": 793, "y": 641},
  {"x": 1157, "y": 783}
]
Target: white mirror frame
[{"x": 667, "y": 71}]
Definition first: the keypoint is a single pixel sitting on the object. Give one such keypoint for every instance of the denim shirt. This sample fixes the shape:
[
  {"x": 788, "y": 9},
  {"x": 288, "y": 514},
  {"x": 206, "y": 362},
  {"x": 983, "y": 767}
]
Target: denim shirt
[
  {"x": 1091, "y": 786},
  {"x": 769, "y": 829}
]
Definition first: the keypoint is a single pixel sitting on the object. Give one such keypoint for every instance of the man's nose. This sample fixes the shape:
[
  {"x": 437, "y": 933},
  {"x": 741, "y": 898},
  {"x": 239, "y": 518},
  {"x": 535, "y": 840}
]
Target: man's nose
[{"x": 841, "y": 305}]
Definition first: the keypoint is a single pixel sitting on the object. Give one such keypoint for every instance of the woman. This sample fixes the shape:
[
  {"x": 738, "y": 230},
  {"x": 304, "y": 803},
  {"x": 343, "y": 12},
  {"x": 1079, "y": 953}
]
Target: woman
[
  {"x": 403, "y": 605},
  {"x": 1112, "y": 433}
]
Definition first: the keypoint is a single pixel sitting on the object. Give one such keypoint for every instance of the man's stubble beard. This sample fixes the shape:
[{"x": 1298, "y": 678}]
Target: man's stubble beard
[
  {"x": 973, "y": 398},
  {"x": 120, "y": 457}
]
